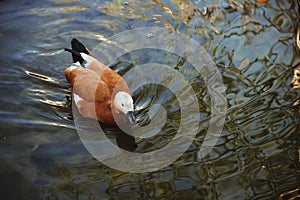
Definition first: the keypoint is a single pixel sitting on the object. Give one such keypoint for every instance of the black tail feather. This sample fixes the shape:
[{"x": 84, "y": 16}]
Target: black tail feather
[
  {"x": 77, "y": 48},
  {"x": 73, "y": 52},
  {"x": 75, "y": 55}
]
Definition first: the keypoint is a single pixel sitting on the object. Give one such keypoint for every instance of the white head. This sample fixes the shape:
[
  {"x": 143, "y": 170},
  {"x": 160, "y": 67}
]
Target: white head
[{"x": 123, "y": 103}]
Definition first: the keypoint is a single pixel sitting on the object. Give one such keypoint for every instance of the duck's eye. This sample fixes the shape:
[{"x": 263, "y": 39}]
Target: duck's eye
[{"x": 122, "y": 104}]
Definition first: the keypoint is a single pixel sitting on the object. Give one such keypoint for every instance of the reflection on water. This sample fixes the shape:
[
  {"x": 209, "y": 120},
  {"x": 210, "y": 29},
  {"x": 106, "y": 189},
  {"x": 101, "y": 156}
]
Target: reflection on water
[{"x": 254, "y": 46}]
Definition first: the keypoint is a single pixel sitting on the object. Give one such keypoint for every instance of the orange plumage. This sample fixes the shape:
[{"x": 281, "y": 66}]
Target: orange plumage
[{"x": 95, "y": 87}]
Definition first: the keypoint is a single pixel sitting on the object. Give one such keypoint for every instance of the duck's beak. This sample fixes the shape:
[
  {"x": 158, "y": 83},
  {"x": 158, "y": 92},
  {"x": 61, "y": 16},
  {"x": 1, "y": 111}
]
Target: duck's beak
[{"x": 131, "y": 118}]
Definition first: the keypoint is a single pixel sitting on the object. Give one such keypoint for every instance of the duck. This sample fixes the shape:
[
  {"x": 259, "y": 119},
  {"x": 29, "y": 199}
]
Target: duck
[{"x": 98, "y": 92}]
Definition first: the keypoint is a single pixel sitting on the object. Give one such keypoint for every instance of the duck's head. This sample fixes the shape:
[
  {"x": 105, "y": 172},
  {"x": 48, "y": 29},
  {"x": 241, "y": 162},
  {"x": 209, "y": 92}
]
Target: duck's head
[
  {"x": 123, "y": 103},
  {"x": 295, "y": 83}
]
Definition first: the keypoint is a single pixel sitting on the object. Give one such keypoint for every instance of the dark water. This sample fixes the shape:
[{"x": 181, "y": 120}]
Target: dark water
[{"x": 254, "y": 48}]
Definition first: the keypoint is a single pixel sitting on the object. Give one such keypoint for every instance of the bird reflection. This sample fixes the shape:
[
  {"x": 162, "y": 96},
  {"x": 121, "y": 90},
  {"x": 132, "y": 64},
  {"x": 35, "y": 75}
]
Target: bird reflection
[{"x": 126, "y": 142}]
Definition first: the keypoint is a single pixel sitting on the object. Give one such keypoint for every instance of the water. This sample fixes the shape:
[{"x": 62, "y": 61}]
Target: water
[{"x": 254, "y": 48}]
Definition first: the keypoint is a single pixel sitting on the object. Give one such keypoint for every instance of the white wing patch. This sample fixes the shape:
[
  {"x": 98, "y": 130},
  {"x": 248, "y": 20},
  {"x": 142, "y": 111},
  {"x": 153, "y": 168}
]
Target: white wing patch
[
  {"x": 74, "y": 66},
  {"x": 76, "y": 98},
  {"x": 88, "y": 59}
]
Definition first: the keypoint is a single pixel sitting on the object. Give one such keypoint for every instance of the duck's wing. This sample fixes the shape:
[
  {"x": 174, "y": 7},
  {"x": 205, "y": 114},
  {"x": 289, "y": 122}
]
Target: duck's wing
[
  {"x": 87, "y": 84},
  {"x": 111, "y": 78}
]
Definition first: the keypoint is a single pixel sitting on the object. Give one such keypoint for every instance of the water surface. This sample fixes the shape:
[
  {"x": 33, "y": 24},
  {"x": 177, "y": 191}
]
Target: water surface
[{"x": 254, "y": 48}]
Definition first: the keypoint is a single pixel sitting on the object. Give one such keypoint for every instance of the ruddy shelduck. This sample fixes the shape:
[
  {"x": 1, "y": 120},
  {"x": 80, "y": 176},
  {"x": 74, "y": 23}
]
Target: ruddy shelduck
[{"x": 98, "y": 91}]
